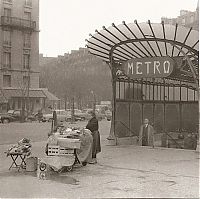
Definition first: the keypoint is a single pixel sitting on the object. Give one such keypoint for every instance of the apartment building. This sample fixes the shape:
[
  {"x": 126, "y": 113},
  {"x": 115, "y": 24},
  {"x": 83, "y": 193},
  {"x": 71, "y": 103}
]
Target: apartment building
[
  {"x": 78, "y": 71},
  {"x": 186, "y": 18},
  {"x": 19, "y": 55}
]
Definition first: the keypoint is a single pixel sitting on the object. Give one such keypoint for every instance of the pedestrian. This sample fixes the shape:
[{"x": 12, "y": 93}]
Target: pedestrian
[
  {"x": 93, "y": 126},
  {"x": 146, "y": 134},
  {"x": 39, "y": 115}
]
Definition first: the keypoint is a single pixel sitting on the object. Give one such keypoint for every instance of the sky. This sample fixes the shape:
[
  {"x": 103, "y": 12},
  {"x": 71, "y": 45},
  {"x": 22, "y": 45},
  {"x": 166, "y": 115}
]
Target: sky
[{"x": 65, "y": 24}]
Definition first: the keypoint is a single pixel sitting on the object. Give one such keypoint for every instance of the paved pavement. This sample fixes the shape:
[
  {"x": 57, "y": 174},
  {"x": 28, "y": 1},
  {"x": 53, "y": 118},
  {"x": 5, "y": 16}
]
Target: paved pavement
[{"x": 122, "y": 171}]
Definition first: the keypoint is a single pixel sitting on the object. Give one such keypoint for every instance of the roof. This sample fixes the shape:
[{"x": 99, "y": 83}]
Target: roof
[
  {"x": 9, "y": 93},
  {"x": 49, "y": 95},
  {"x": 117, "y": 44}
]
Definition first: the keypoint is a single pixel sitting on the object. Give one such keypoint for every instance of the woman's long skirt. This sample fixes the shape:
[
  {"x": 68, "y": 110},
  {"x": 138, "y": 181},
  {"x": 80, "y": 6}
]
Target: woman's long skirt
[{"x": 96, "y": 147}]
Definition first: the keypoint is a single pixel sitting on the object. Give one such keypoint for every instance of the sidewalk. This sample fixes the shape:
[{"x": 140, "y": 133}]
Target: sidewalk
[{"x": 122, "y": 171}]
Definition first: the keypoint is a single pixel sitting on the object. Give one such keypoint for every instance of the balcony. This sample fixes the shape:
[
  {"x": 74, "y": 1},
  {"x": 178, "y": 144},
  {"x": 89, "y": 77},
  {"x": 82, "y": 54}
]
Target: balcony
[
  {"x": 6, "y": 67},
  {"x": 7, "y": 43},
  {"x": 27, "y": 45},
  {"x": 18, "y": 23}
]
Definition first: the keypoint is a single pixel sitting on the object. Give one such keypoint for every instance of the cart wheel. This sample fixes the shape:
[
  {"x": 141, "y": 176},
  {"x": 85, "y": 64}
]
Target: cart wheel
[
  {"x": 69, "y": 168},
  {"x": 61, "y": 170},
  {"x": 84, "y": 163}
]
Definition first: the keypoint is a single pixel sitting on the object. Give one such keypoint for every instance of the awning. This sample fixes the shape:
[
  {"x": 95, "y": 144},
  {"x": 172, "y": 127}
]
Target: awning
[
  {"x": 117, "y": 44},
  {"x": 17, "y": 93},
  {"x": 49, "y": 95}
]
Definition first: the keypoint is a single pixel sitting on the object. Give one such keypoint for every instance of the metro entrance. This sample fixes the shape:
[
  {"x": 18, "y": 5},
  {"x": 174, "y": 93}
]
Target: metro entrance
[{"x": 154, "y": 75}]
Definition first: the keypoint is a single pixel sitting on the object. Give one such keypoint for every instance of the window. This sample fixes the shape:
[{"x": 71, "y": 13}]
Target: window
[
  {"x": 26, "y": 80},
  {"x": 7, "y": 12},
  {"x": 183, "y": 21},
  {"x": 26, "y": 61},
  {"x": 7, "y": 80},
  {"x": 7, "y": 15},
  {"x": 191, "y": 18},
  {"x": 27, "y": 40},
  {"x": 27, "y": 16},
  {"x": 37, "y": 101},
  {"x": 28, "y": 3},
  {"x": 7, "y": 37},
  {"x": 7, "y": 60}
]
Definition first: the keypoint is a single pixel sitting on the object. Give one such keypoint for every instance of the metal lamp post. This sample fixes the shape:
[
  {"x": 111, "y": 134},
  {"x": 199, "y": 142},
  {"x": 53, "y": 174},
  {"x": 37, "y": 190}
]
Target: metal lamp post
[{"x": 94, "y": 100}]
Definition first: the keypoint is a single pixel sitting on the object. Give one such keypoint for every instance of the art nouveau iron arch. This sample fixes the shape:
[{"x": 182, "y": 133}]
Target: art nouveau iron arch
[{"x": 117, "y": 44}]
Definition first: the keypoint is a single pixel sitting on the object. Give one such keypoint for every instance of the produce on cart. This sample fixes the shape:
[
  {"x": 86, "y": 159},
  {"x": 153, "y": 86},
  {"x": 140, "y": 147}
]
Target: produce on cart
[{"x": 67, "y": 147}]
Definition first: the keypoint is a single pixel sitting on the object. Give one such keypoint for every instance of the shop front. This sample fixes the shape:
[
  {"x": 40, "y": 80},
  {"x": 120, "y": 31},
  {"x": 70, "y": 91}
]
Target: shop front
[
  {"x": 34, "y": 99},
  {"x": 154, "y": 75}
]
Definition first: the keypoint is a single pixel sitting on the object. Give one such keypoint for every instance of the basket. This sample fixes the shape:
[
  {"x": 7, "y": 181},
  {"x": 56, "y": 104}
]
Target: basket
[{"x": 31, "y": 164}]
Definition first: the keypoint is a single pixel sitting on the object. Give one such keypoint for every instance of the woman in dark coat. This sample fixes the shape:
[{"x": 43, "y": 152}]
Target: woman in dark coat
[{"x": 93, "y": 126}]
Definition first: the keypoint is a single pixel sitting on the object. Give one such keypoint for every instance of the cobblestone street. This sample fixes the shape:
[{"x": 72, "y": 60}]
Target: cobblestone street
[{"x": 122, "y": 171}]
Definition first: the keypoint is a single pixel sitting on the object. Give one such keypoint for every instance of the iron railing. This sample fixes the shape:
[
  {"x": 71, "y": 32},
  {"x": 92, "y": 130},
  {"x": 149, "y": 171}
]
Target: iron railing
[
  {"x": 27, "y": 45},
  {"x": 6, "y": 66},
  {"x": 18, "y": 23},
  {"x": 170, "y": 137},
  {"x": 127, "y": 128},
  {"x": 7, "y": 43},
  {"x": 132, "y": 133}
]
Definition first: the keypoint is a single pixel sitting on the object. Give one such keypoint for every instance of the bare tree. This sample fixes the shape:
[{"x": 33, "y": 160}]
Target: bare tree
[{"x": 24, "y": 86}]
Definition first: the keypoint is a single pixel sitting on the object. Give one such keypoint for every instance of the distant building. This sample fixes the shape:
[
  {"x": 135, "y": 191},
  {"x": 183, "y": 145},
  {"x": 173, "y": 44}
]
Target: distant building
[
  {"x": 45, "y": 60},
  {"x": 90, "y": 72},
  {"x": 19, "y": 55},
  {"x": 79, "y": 60},
  {"x": 186, "y": 18}
]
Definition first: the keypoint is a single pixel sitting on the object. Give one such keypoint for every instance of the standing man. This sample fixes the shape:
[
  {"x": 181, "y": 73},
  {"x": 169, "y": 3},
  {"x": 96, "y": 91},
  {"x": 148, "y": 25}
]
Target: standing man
[
  {"x": 93, "y": 126},
  {"x": 146, "y": 134}
]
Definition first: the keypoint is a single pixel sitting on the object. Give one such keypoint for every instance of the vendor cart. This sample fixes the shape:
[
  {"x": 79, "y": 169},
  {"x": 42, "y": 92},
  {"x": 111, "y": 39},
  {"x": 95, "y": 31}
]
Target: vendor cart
[
  {"x": 65, "y": 148},
  {"x": 63, "y": 155}
]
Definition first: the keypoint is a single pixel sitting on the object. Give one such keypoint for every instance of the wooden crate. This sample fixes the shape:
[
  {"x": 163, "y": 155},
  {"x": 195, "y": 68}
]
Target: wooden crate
[
  {"x": 53, "y": 150},
  {"x": 69, "y": 143},
  {"x": 58, "y": 150},
  {"x": 65, "y": 151}
]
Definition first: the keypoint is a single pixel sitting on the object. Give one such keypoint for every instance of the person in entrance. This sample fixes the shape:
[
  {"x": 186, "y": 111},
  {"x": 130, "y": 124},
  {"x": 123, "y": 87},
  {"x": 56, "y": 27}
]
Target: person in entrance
[
  {"x": 146, "y": 134},
  {"x": 93, "y": 126}
]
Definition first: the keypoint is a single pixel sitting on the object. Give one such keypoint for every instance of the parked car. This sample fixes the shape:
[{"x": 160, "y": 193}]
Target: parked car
[
  {"x": 6, "y": 118},
  {"x": 61, "y": 116},
  {"x": 15, "y": 115},
  {"x": 84, "y": 115},
  {"x": 76, "y": 117},
  {"x": 99, "y": 114}
]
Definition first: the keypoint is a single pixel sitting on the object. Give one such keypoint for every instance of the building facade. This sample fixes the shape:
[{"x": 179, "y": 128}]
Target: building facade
[
  {"x": 186, "y": 18},
  {"x": 19, "y": 55},
  {"x": 77, "y": 74},
  {"x": 19, "y": 43}
]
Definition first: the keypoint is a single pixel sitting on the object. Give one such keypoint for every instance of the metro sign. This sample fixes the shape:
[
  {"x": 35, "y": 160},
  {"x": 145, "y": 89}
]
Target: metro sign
[{"x": 148, "y": 67}]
